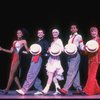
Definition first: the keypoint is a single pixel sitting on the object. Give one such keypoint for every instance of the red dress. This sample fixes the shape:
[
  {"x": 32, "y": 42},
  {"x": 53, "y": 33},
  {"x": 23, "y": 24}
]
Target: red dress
[
  {"x": 92, "y": 86},
  {"x": 15, "y": 55}
]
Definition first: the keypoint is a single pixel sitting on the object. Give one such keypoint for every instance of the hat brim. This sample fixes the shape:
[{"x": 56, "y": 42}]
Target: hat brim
[
  {"x": 55, "y": 54},
  {"x": 92, "y": 50},
  {"x": 32, "y": 49},
  {"x": 70, "y": 52},
  {"x": 55, "y": 50},
  {"x": 95, "y": 49}
]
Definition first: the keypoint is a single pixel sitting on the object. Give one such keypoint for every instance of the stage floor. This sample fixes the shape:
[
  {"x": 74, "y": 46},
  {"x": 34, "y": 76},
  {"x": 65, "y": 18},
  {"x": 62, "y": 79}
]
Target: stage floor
[{"x": 30, "y": 95}]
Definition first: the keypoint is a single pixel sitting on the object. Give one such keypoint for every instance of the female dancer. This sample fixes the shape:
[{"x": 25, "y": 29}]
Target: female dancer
[
  {"x": 15, "y": 49},
  {"x": 92, "y": 86}
]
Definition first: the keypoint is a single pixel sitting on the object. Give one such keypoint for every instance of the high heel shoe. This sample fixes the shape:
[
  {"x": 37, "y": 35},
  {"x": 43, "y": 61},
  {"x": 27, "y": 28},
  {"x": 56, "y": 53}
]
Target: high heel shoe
[
  {"x": 57, "y": 93},
  {"x": 40, "y": 93},
  {"x": 3, "y": 92}
]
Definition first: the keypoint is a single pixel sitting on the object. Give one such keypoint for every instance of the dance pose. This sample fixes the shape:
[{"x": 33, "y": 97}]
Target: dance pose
[
  {"x": 53, "y": 67},
  {"x": 92, "y": 87},
  {"x": 15, "y": 49},
  {"x": 35, "y": 66},
  {"x": 73, "y": 75}
]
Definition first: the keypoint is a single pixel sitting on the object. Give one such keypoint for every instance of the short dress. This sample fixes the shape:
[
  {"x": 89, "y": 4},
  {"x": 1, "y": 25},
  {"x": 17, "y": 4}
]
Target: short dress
[{"x": 54, "y": 63}]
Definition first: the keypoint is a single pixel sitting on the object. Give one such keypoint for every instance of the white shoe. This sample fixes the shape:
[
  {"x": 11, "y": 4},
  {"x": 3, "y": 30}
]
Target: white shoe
[
  {"x": 56, "y": 93},
  {"x": 38, "y": 93},
  {"x": 20, "y": 91}
]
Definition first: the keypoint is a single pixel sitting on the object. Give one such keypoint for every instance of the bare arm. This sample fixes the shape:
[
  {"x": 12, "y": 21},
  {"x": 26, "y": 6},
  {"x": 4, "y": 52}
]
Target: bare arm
[
  {"x": 5, "y": 50},
  {"x": 26, "y": 47}
]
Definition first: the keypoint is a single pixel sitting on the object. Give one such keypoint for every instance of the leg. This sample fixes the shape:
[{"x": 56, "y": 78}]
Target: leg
[
  {"x": 32, "y": 75},
  {"x": 49, "y": 81},
  {"x": 57, "y": 86},
  {"x": 12, "y": 74},
  {"x": 73, "y": 67},
  {"x": 56, "y": 83},
  {"x": 17, "y": 82},
  {"x": 38, "y": 85},
  {"x": 92, "y": 87},
  {"x": 76, "y": 83}
]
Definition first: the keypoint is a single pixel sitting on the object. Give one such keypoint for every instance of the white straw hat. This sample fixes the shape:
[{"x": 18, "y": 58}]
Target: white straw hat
[
  {"x": 55, "y": 50},
  {"x": 70, "y": 49},
  {"x": 92, "y": 46},
  {"x": 35, "y": 49}
]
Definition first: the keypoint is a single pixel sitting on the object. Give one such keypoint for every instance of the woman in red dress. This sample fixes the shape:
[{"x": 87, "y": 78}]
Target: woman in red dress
[
  {"x": 92, "y": 87},
  {"x": 15, "y": 49}
]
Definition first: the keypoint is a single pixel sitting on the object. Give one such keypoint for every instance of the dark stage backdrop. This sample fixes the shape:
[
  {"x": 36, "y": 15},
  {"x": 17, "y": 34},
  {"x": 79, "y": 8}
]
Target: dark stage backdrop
[{"x": 44, "y": 14}]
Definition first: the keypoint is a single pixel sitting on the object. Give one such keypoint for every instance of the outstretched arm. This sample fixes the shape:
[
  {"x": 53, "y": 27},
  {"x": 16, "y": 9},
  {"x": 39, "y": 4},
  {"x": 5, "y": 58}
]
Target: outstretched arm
[
  {"x": 8, "y": 51},
  {"x": 5, "y": 50}
]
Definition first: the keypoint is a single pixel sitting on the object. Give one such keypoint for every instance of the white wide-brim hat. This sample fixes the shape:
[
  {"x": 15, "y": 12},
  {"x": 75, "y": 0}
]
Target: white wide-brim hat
[
  {"x": 35, "y": 49},
  {"x": 92, "y": 46},
  {"x": 55, "y": 50},
  {"x": 70, "y": 49}
]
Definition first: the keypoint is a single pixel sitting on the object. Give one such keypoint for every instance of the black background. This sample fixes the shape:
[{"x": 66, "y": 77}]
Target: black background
[{"x": 32, "y": 14}]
